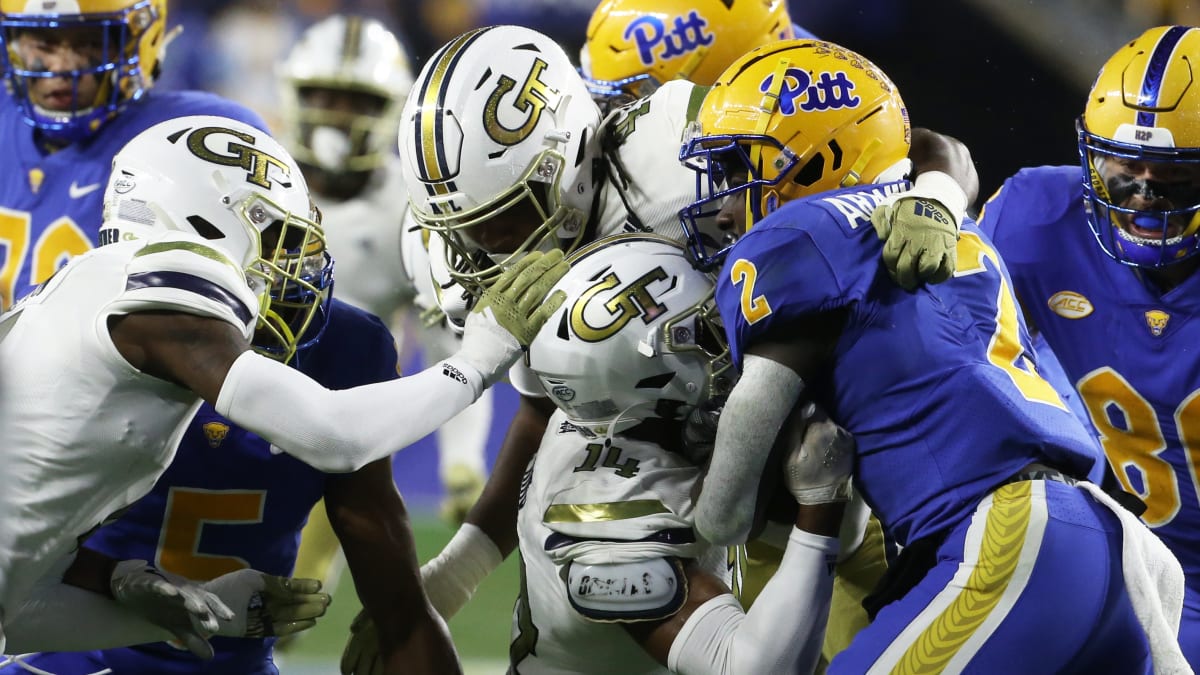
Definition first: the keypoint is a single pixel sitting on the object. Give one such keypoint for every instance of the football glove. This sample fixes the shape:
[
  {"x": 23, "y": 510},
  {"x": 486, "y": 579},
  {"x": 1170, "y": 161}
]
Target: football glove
[
  {"x": 817, "y": 471},
  {"x": 267, "y": 605},
  {"x": 510, "y": 313},
  {"x": 463, "y": 486},
  {"x": 920, "y": 228},
  {"x": 185, "y": 609},
  {"x": 361, "y": 655}
]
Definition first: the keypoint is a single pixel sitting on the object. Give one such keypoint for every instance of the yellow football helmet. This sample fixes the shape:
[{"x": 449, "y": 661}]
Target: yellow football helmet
[
  {"x": 124, "y": 40},
  {"x": 634, "y": 46},
  {"x": 1139, "y": 142},
  {"x": 795, "y": 118}
]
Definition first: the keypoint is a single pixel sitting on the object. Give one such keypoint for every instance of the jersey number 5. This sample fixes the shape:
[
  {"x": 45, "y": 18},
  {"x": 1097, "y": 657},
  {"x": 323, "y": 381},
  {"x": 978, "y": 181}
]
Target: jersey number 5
[{"x": 188, "y": 510}]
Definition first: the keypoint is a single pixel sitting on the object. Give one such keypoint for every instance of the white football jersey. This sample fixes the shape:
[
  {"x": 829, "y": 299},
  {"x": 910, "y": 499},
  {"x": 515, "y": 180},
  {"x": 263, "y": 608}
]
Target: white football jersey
[
  {"x": 87, "y": 434},
  {"x": 646, "y": 186},
  {"x": 587, "y": 501}
]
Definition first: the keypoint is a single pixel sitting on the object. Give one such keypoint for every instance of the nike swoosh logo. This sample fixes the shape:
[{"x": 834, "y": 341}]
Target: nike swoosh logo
[{"x": 76, "y": 191}]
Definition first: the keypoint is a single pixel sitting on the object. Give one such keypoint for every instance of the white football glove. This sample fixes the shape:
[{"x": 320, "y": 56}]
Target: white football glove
[
  {"x": 182, "y": 607},
  {"x": 818, "y": 470}
]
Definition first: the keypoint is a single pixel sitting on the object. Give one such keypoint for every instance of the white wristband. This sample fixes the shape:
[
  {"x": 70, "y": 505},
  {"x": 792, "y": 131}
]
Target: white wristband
[
  {"x": 451, "y": 578},
  {"x": 939, "y": 186}
]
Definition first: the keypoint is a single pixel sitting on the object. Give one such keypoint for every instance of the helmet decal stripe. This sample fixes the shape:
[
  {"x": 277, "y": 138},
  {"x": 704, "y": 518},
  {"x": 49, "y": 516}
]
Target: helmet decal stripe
[
  {"x": 1156, "y": 69},
  {"x": 431, "y": 154},
  {"x": 352, "y": 41}
]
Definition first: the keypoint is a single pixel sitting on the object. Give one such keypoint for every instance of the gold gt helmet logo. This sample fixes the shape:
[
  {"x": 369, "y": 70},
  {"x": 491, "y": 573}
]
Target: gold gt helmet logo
[
  {"x": 629, "y": 302},
  {"x": 534, "y": 97},
  {"x": 256, "y": 162}
]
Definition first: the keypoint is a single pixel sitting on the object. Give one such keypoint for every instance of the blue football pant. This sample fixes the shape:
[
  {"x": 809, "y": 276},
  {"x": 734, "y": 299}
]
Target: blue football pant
[{"x": 1031, "y": 583}]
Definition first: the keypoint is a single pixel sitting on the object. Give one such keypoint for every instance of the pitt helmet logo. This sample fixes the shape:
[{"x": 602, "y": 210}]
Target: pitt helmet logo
[
  {"x": 799, "y": 91},
  {"x": 650, "y": 32},
  {"x": 1157, "y": 321},
  {"x": 629, "y": 302},
  {"x": 534, "y": 97},
  {"x": 1070, "y": 305},
  {"x": 256, "y": 162},
  {"x": 215, "y": 432}
]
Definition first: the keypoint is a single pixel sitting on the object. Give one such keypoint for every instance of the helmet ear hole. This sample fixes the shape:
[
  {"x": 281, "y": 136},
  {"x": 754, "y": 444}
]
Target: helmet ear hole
[
  {"x": 204, "y": 228},
  {"x": 811, "y": 172}
]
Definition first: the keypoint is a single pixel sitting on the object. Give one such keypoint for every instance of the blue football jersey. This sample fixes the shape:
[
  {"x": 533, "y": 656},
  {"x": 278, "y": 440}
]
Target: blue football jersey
[
  {"x": 939, "y": 386},
  {"x": 1123, "y": 344},
  {"x": 227, "y": 502},
  {"x": 51, "y": 204}
]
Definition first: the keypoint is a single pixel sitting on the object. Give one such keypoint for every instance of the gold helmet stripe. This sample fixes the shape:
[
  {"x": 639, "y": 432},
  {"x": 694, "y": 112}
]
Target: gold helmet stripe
[
  {"x": 352, "y": 41},
  {"x": 431, "y": 153}
]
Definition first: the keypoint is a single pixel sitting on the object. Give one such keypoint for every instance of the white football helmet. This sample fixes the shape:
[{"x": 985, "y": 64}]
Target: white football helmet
[
  {"x": 500, "y": 119},
  {"x": 352, "y": 54},
  {"x": 638, "y": 336},
  {"x": 236, "y": 187}
]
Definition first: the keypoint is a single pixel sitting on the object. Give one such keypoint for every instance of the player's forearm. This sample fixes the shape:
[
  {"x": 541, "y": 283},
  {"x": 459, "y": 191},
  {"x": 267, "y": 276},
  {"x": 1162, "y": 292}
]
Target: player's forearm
[
  {"x": 755, "y": 412},
  {"x": 371, "y": 522},
  {"x": 60, "y": 617},
  {"x": 718, "y": 639},
  {"x": 931, "y": 151},
  {"x": 343, "y": 430}
]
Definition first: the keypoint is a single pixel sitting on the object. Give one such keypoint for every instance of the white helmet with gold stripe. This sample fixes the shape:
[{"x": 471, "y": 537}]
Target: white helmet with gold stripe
[
  {"x": 499, "y": 122},
  {"x": 362, "y": 60}
]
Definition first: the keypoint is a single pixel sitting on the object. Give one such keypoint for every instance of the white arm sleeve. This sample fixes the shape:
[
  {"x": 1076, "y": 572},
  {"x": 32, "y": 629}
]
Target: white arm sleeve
[
  {"x": 57, "y": 617},
  {"x": 752, "y": 418},
  {"x": 782, "y": 632},
  {"x": 343, "y": 430}
]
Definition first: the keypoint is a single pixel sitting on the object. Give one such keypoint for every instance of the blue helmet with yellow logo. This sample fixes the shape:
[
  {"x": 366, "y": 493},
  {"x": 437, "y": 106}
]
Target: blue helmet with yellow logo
[
  {"x": 1139, "y": 142},
  {"x": 788, "y": 120},
  {"x": 71, "y": 66}
]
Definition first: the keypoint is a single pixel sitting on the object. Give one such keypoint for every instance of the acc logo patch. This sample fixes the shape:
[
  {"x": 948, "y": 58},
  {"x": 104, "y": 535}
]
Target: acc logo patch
[
  {"x": 563, "y": 393},
  {"x": 1157, "y": 320},
  {"x": 1070, "y": 305},
  {"x": 215, "y": 432}
]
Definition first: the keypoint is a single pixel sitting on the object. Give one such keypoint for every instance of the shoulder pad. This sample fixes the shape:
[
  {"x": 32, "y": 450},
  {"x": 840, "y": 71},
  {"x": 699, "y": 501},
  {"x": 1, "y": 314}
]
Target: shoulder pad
[
  {"x": 647, "y": 590},
  {"x": 188, "y": 275}
]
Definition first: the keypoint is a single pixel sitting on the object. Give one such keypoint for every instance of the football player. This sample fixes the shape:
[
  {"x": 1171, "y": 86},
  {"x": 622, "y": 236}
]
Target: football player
[
  {"x": 505, "y": 153},
  {"x": 634, "y": 46},
  {"x": 972, "y": 462},
  {"x": 613, "y": 578},
  {"x": 344, "y": 83},
  {"x": 213, "y": 239},
  {"x": 80, "y": 79},
  {"x": 1104, "y": 263},
  {"x": 204, "y": 518}
]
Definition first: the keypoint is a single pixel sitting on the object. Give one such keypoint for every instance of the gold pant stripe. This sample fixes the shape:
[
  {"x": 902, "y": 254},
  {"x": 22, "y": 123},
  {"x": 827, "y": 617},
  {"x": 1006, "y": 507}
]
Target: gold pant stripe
[{"x": 1000, "y": 548}]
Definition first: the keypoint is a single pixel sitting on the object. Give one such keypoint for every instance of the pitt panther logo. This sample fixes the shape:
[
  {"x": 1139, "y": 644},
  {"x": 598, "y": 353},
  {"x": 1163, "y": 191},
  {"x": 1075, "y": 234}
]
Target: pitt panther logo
[
  {"x": 799, "y": 91},
  {"x": 650, "y": 32},
  {"x": 534, "y": 97},
  {"x": 1157, "y": 321},
  {"x": 256, "y": 162},
  {"x": 629, "y": 302},
  {"x": 215, "y": 432}
]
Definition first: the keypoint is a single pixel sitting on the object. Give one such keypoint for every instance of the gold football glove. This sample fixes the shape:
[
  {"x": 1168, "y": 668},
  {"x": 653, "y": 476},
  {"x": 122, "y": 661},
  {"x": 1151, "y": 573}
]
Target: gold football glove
[
  {"x": 517, "y": 300},
  {"x": 921, "y": 240},
  {"x": 361, "y": 655}
]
